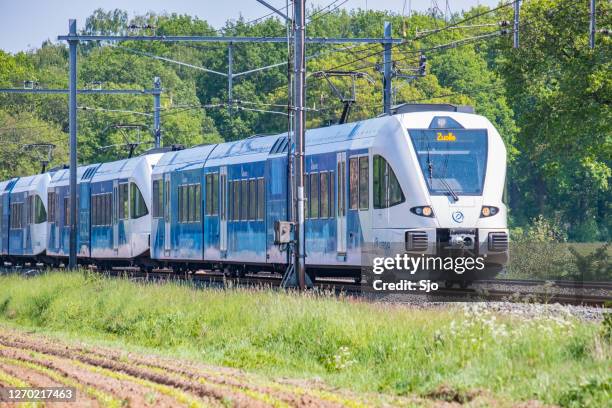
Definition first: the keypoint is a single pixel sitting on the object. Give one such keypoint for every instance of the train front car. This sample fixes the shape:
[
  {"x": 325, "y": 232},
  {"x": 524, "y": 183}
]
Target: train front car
[{"x": 438, "y": 181}]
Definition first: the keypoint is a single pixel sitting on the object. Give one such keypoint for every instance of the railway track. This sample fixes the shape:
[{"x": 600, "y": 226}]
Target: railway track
[{"x": 514, "y": 290}]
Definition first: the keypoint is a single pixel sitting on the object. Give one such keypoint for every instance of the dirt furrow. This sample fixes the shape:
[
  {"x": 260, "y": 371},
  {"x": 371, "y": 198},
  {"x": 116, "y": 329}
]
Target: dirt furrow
[
  {"x": 230, "y": 379},
  {"x": 37, "y": 379},
  {"x": 117, "y": 392},
  {"x": 201, "y": 390}
]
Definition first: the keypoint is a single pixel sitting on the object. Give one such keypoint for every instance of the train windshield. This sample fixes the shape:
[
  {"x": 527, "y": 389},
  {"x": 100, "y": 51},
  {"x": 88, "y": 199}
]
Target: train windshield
[{"x": 453, "y": 161}]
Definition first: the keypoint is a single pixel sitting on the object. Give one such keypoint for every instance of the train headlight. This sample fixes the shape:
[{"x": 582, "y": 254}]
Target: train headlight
[
  {"x": 488, "y": 211},
  {"x": 423, "y": 211}
]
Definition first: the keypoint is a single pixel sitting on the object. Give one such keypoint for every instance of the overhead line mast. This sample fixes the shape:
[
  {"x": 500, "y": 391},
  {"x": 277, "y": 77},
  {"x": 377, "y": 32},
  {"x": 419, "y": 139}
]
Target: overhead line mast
[{"x": 299, "y": 37}]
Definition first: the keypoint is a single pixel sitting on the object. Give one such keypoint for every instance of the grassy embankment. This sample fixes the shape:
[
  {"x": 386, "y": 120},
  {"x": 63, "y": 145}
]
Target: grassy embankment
[{"x": 366, "y": 347}]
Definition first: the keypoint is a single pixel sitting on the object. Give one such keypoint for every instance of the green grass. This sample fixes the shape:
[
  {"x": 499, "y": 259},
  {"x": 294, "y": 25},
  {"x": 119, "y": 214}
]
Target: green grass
[{"x": 363, "y": 346}]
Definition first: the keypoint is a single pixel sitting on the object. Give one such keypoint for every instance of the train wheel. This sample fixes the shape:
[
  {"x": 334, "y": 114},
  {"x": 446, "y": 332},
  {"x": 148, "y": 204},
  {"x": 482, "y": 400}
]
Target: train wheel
[
  {"x": 464, "y": 284},
  {"x": 448, "y": 284}
]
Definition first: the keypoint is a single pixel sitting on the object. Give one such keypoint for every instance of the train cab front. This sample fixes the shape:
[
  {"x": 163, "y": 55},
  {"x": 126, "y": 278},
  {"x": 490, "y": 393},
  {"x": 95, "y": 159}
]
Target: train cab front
[{"x": 462, "y": 162}]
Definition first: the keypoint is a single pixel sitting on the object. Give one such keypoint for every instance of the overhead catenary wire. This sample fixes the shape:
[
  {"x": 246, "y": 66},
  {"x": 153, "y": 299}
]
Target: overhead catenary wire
[
  {"x": 88, "y": 108},
  {"x": 316, "y": 16},
  {"x": 442, "y": 29}
]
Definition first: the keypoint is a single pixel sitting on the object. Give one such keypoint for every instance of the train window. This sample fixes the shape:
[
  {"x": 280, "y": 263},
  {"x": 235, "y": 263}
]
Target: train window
[
  {"x": 158, "y": 198},
  {"x": 212, "y": 194},
  {"x": 124, "y": 209},
  {"x": 99, "y": 205},
  {"x": 236, "y": 201},
  {"x": 51, "y": 205},
  {"x": 187, "y": 204},
  {"x": 387, "y": 191},
  {"x": 261, "y": 201},
  {"x": 314, "y": 195},
  {"x": 94, "y": 210},
  {"x": 197, "y": 200},
  {"x": 364, "y": 197},
  {"x": 189, "y": 212},
  {"x": 215, "y": 194},
  {"x": 192, "y": 200},
  {"x": 182, "y": 204},
  {"x": 108, "y": 206},
  {"x": 324, "y": 177},
  {"x": 222, "y": 188},
  {"x": 354, "y": 183},
  {"x": 341, "y": 175},
  {"x": 168, "y": 201},
  {"x": 191, "y": 191},
  {"x": 230, "y": 200},
  {"x": 101, "y": 209},
  {"x": 138, "y": 204},
  {"x": 16, "y": 215},
  {"x": 252, "y": 199},
  {"x": 28, "y": 209},
  {"x": 244, "y": 200},
  {"x": 307, "y": 195},
  {"x": 67, "y": 211},
  {"x": 332, "y": 191},
  {"x": 208, "y": 191},
  {"x": 379, "y": 182}
]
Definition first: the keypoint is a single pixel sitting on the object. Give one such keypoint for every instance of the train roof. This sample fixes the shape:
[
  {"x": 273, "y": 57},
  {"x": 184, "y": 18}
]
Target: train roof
[
  {"x": 31, "y": 183},
  {"x": 7, "y": 185},
  {"x": 431, "y": 120},
  {"x": 183, "y": 159},
  {"x": 353, "y": 135},
  {"x": 125, "y": 168},
  {"x": 62, "y": 177}
]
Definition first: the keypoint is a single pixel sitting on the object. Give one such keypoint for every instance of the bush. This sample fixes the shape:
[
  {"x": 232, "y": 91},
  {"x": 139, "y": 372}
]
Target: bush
[
  {"x": 539, "y": 251},
  {"x": 593, "y": 266}
]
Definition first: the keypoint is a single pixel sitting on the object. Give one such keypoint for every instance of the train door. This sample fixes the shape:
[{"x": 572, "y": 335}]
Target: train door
[
  {"x": 55, "y": 223},
  {"x": 167, "y": 212},
  {"x": 1, "y": 224},
  {"x": 27, "y": 236},
  {"x": 84, "y": 218},
  {"x": 223, "y": 212},
  {"x": 116, "y": 215},
  {"x": 341, "y": 226}
]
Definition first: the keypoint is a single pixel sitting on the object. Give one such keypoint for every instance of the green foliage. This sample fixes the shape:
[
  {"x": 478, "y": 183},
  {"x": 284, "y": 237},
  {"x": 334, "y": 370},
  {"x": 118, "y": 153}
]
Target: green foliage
[
  {"x": 19, "y": 130},
  {"x": 560, "y": 91},
  {"x": 591, "y": 392},
  {"x": 369, "y": 347},
  {"x": 593, "y": 266}
]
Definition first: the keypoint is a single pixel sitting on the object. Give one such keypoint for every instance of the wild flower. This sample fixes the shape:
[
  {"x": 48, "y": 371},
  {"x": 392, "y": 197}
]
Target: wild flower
[{"x": 341, "y": 360}]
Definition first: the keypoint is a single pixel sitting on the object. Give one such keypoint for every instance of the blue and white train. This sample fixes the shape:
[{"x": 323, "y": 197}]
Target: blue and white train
[{"x": 429, "y": 179}]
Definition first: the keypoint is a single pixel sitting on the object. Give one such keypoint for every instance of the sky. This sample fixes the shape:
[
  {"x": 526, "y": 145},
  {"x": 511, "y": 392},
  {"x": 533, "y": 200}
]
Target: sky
[{"x": 25, "y": 24}]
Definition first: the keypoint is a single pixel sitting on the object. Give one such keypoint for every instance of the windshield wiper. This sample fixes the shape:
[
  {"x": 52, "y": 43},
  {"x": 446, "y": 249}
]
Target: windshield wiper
[
  {"x": 444, "y": 183},
  {"x": 449, "y": 189}
]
